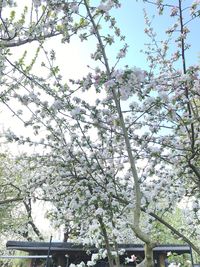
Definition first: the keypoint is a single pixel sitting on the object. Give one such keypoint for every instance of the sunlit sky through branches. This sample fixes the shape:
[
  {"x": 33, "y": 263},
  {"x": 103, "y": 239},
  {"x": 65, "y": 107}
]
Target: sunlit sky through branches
[{"x": 73, "y": 58}]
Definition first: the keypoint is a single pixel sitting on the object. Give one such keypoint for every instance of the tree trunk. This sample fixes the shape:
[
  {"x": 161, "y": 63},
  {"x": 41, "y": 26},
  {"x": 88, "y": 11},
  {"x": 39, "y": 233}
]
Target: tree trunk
[
  {"x": 148, "y": 260},
  {"x": 117, "y": 259},
  {"x": 148, "y": 248},
  {"x": 106, "y": 239}
]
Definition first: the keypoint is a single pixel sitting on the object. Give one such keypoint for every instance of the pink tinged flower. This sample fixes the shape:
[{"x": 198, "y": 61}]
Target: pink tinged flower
[
  {"x": 195, "y": 3},
  {"x": 105, "y": 7},
  {"x": 174, "y": 11},
  {"x": 121, "y": 54},
  {"x": 118, "y": 75},
  {"x": 133, "y": 258},
  {"x": 109, "y": 83},
  {"x": 75, "y": 7},
  {"x": 140, "y": 74},
  {"x": 96, "y": 78},
  {"x": 125, "y": 92}
]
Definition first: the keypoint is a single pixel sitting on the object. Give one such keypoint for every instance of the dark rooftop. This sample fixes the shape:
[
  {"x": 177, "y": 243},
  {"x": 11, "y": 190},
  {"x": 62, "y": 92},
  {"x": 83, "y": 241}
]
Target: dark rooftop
[{"x": 67, "y": 247}]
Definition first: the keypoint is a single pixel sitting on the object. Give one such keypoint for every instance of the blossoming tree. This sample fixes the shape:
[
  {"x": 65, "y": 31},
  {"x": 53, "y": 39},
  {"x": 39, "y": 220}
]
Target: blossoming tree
[
  {"x": 16, "y": 200},
  {"x": 106, "y": 162}
]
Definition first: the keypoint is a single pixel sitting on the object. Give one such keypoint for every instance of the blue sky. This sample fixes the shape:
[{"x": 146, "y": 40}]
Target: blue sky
[{"x": 130, "y": 18}]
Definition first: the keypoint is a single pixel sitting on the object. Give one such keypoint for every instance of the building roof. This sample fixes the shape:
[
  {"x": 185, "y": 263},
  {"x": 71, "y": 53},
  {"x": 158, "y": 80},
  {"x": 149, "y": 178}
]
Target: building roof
[{"x": 66, "y": 247}]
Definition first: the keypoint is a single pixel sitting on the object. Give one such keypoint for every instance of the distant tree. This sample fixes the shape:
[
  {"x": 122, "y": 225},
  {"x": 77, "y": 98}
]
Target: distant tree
[{"x": 16, "y": 203}]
